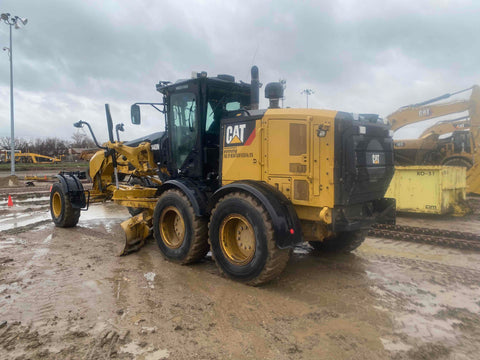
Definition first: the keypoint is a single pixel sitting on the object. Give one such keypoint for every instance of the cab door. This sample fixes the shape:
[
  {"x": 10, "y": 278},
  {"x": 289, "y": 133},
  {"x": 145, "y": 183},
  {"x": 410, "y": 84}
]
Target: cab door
[{"x": 183, "y": 129}]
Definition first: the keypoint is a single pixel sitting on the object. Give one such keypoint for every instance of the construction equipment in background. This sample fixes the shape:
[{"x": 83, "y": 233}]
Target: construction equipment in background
[
  {"x": 245, "y": 183},
  {"x": 87, "y": 154},
  {"x": 81, "y": 175},
  {"x": 447, "y": 126},
  {"x": 434, "y": 189},
  {"x": 31, "y": 158},
  {"x": 460, "y": 148}
]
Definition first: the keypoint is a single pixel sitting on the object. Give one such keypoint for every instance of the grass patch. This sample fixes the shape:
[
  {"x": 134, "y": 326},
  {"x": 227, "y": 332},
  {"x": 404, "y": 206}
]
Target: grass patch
[{"x": 58, "y": 166}]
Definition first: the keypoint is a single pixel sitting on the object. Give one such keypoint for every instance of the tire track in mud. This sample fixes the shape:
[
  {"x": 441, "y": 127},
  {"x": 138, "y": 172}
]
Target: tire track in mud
[
  {"x": 41, "y": 303},
  {"x": 50, "y": 295},
  {"x": 449, "y": 273},
  {"x": 20, "y": 341},
  {"x": 431, "y": 303}
]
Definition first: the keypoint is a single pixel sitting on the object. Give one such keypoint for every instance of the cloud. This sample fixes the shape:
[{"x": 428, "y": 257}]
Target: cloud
[{"x": 369, "y": 56}]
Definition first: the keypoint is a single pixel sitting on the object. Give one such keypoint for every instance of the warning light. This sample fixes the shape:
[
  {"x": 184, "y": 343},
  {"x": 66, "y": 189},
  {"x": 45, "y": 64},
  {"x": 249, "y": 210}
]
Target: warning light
[{"x": 292, "y": 231}]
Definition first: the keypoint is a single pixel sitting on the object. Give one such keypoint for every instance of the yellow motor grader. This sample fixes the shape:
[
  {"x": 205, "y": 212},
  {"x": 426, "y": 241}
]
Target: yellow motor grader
[{"x": 245, "y": 183}]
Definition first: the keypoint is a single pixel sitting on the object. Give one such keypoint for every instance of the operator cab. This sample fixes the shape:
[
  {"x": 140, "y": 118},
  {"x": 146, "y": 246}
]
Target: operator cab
[{"x": 194, "y": 108}]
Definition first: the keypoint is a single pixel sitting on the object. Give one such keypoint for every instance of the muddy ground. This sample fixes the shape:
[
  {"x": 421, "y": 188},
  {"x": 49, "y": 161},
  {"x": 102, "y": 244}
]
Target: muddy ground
[{"x": 64, "y": 294}]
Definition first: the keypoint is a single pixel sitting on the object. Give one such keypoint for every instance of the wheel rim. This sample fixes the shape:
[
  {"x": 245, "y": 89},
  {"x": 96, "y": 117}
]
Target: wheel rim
[
  {"x": 56, "y": 204},
  {"x": 237, "y": 239},
  {"x": 172, "y": 227}
]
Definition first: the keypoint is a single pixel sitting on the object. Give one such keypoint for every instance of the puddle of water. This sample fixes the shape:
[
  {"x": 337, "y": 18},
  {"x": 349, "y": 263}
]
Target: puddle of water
[
  {"x": 39, "y": 253},
  {"x": 104, "y": 211},
  {"x": 100, "y": 212},
  {"x": 419, "y": 300},
  {"x": 47, "y": 239},
  {"x": 11, "y": 242},
  {"x": 19, "y": 220},
  {"x": 427, "y": 329},
  {"x": 92, "y": 285},
  {"x": 389, "y": 345},
  {"x": 146, "y": 353},
  {"x": 23, "y": 203}
]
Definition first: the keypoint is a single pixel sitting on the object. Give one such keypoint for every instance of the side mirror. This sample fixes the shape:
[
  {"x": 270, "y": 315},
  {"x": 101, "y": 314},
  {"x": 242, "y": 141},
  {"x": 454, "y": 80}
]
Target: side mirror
[{"x": 135, "y": 114}]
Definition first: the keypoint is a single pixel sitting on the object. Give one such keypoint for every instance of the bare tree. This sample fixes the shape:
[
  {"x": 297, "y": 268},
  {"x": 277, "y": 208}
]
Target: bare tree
[
  {"x": 20, "y": 144},
  {"x": 81, "y": 140}
]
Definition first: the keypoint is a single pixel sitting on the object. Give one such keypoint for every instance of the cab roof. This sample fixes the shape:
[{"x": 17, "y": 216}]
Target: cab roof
[{"x": 222, "y": 81}]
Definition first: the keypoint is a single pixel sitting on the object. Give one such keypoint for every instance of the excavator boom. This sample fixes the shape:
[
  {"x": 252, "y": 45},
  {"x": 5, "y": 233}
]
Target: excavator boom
[{"x": 447, "y": 126}]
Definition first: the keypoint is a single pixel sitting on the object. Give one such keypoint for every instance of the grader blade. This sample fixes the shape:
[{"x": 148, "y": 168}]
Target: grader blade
[{"x": 136, "y": 229}]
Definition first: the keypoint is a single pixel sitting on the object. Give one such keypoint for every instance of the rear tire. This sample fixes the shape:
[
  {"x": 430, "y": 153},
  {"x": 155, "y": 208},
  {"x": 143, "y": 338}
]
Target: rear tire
[
  {"x": 180, "y": 234},
  {"x": 344, "y": 242},
  {"x": 63, "y": 214},
  {"x": 242, "y": 242}
]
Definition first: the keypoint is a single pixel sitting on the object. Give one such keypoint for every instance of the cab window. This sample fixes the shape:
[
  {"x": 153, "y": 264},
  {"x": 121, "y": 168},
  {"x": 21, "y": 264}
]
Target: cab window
[{"x": 183, "y": 125}]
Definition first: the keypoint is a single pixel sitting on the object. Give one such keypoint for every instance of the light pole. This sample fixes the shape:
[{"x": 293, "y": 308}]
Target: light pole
[
  {"x": 12, "y": 21},
  {"x": 284, "y": 86},
  {"x": 307, "y": 92}
]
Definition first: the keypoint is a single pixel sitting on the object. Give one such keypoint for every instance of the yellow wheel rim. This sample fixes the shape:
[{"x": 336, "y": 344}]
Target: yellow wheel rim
[
  {"x": 172, "y": 227},
  {"x": 57, "y": 204},
  {"x": 237, "y": 239}
]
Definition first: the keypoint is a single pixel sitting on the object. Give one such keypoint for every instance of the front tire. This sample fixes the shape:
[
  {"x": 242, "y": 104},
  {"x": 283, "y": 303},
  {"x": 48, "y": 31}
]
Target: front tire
[
  {"x": 180, "y": 234},
  {"x": 343, "y": 242},
  {"x": 242, "y": 242},
  {"x": 63, "y": 214}
]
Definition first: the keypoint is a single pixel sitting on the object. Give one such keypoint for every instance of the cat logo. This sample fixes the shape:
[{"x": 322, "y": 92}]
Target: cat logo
[{"x": 235, "y": 134}]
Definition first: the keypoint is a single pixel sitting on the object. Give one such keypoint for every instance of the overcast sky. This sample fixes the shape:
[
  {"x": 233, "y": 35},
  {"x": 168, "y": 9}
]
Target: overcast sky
[{"x": 368, "y": 56}]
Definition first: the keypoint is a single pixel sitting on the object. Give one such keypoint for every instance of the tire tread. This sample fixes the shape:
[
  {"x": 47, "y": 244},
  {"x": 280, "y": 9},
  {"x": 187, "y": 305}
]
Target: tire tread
[
  {"x": 199, "y": 246},
  {"x": 70, "y": 215},
  {"x": 277, "y": 259}
]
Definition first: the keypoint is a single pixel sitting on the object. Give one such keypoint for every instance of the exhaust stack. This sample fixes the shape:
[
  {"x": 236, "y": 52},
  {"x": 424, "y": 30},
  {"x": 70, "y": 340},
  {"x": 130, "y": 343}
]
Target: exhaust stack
[{"x": 254, "y": 86}]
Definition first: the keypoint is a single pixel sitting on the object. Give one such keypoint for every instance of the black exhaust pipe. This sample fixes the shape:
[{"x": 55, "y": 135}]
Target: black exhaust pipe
[{"x": 254, "y": 89}]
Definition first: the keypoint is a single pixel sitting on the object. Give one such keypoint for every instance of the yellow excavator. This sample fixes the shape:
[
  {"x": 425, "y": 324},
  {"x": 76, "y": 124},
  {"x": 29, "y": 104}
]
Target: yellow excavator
[
  {"x": 245, "y": 183},
  {"x": 460, "y": 148}
]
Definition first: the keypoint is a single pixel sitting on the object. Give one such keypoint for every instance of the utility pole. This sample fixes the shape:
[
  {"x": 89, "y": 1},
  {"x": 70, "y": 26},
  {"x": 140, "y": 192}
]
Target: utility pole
[
  {"x": 307, "y": 92},
  {"x": 12, "y": 21}
]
